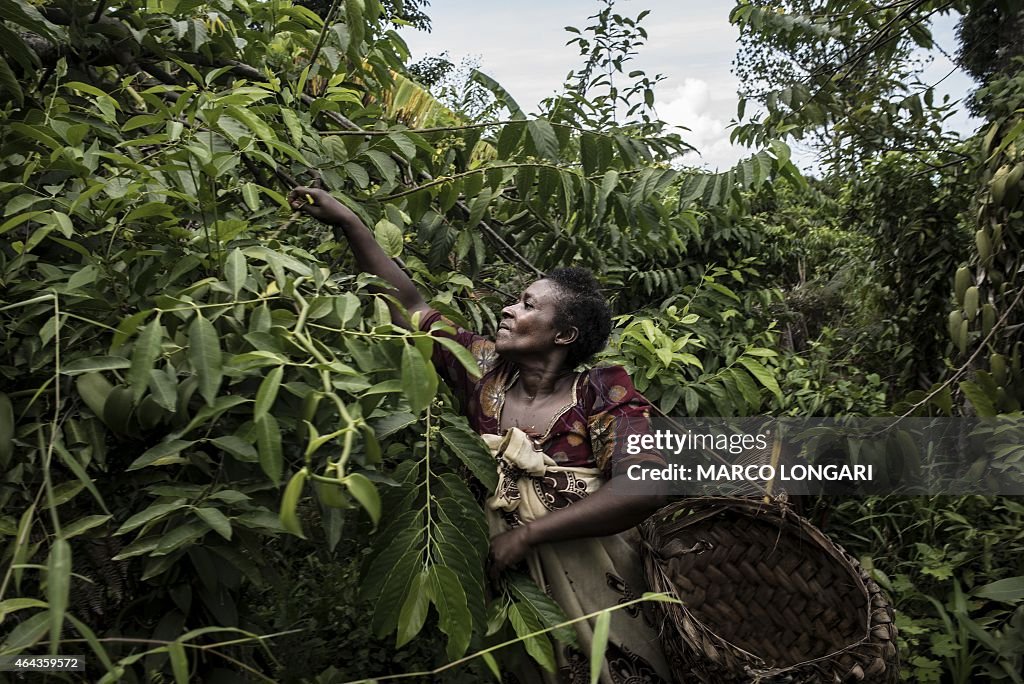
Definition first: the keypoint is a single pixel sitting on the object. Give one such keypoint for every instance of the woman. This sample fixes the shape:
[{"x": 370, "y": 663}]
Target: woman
[{"x": 559, "y": 439}]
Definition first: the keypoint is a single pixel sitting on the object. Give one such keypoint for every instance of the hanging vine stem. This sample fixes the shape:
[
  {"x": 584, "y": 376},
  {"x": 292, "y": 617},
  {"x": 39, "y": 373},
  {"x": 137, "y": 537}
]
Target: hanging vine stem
[
  {"x": 305, "y": 341},
  {"x": 426, "y": 481},
  {"x": 466, "y": 127},
  {"x": 659, "y": 597},
  {"x": 161, "y": 647},
  {"x": 54, "y": 423}
]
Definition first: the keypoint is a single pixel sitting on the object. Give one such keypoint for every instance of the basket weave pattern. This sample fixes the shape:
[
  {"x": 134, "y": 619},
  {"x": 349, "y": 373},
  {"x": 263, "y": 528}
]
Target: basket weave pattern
[{"x": 766, "y": 598}]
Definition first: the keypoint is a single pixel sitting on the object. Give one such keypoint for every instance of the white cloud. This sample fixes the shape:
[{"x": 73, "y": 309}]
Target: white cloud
[{"x": 706, "y": 112}]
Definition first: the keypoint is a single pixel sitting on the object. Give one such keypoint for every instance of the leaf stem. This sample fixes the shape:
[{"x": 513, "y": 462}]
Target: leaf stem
[{"x": 662, "y": 597}]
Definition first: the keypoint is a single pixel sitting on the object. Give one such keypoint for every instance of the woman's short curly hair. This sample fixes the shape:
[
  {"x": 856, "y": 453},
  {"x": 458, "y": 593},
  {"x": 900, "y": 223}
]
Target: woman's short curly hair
[{"x": 581, "y": 305}]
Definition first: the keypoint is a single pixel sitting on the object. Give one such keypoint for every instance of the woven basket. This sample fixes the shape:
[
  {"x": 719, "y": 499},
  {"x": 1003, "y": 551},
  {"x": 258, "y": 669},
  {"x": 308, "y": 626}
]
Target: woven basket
[{"x": 766, "y": 598}]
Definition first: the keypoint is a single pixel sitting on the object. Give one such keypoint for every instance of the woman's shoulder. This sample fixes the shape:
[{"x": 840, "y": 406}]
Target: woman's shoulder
[
  {"x": 607, "y": 376},
  {"x": 608, "y": 385}
]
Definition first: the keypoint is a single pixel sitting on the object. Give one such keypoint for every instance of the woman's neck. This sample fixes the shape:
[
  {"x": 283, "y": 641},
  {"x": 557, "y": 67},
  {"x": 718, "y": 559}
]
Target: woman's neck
[{"x": 539, "y": 380}]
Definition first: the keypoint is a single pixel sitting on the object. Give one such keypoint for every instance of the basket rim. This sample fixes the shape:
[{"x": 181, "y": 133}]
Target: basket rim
[{"x": 775, "y": 512}]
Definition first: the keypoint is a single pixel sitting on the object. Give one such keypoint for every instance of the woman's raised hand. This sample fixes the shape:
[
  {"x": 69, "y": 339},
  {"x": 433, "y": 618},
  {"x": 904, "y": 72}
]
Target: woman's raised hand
[{"x": 320, "y": 205}]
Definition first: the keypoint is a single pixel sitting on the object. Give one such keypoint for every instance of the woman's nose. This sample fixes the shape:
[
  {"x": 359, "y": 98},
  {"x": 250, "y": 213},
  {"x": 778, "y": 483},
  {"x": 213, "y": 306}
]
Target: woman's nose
[{"x": 507, "y": 311}]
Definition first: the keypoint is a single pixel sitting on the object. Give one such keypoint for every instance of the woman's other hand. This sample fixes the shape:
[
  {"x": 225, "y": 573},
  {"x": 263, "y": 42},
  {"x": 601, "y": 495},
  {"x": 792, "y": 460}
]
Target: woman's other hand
[
  {"x": 320, "y": 205},
  {"x": 508, "y": 549}
]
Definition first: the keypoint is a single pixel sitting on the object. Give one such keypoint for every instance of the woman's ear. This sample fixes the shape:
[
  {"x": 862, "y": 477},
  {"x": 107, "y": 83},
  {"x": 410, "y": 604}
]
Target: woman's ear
[{"x": 567, "y": 336}]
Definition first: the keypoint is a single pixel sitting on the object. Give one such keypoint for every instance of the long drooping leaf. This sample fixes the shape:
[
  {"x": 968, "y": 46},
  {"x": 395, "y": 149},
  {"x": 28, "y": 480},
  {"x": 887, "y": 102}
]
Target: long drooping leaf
[
  {"x": 419, "y": 380},
  {"x": 58, "y": 586},
  {"x": 204, "y": 354},
  {"x": 144, "y": 356},
  {"x": 455, "y": 620},
  {"x": 268, "y": 440}
]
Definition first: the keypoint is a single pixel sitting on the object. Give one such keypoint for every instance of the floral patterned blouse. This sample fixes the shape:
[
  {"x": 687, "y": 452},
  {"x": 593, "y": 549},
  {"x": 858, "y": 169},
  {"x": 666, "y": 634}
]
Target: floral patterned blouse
[{"x": 588, "y": 432}]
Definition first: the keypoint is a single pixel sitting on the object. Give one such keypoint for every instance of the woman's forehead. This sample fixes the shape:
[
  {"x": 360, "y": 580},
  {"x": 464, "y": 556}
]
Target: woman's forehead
[{"x": 541, "y": 289}]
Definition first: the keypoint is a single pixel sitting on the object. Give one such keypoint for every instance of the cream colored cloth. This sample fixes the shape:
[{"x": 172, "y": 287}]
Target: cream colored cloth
[{"x": 582, "y": 575}]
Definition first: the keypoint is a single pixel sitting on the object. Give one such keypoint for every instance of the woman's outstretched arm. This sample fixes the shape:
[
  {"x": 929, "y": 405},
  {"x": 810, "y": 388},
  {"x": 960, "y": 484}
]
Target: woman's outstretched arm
[
  {"x": 613, "y": 508},
  {"x": 370, "y": 258}
]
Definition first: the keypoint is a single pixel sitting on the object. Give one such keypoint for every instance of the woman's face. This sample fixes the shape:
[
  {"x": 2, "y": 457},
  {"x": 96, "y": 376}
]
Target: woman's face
[{"x": 528, "y": 326}]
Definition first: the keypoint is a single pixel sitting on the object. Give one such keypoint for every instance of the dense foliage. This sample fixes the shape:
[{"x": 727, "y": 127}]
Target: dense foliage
[{"x": 923, "y": 228}]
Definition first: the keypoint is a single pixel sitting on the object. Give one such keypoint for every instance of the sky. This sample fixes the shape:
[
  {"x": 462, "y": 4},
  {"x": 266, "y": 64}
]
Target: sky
[{"x": 521, "y": 44}]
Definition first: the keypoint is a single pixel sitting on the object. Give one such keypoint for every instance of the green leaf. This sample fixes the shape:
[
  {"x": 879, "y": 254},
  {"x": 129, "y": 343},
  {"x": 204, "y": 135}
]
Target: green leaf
[
  {"x": 235, "y": 270},
  {"x": 365, "y": 493},
  {"x": 454, "y": 618},
  {"x": 266, "y": 395},
  {"x": 21, "y": 542},
  {"x": 207, "y": 413},
  {"x": 217, "y": 521},
  {"x": 763, "y": 375},
  {"x": 539, "y": 647},
  {"x": 388, "y": 425},
  {"x": 58, "y": 584},
  {"x": 9, "y": 82},
  {"x": 414, "y": 611},
  {"x": 385, "y": 165},
  {"x": 179, "y": 662},
  {"x": 747, "y": 388},
  {"x": 980, "y": 400},
  {"x": 390, "y": 237},
  {"x": 599, "y": 644},
  {"x": 268, "y": 442},
  {"x": 204, "y": 354},
  {"x": 509, "y": 138},
  {"x": 15, "y": 221},
  {"x": 462, "y": 355},
  {"x": 589, "y": 154},
  {"x": 178, "y": 537},
  {"x": 144, "y": 356},
  {"x": 468, "y": 447},
  {"x": 290, "y": 502},
  {"x": 154, "y": 512},
  {"x": 94, "y": 643},
  {"x": 79, "y": 471},
  {"x": 346, "y": 306},
  {"x": 419, "y": 381},
  {"x": 164, "y": 453},
  {"x": 94, "y": 364},
  {"x": 252, "y": 122},
  {"x": 94, "y": 390},
  {"x": 492, "y": 664},
  {"x": 6, "y": 430},
  {"x": 237, "y": 447},
  {"x": 26, "y": 15},
  {"x": 1009, "y": 590},
  {"x": 84, "y": 524},
  {"x": 543, "y": 607},
  {"x": 164, "y": 389},
  {"x": 388, "y": 603},
  {"x": 26, "y": 633},
  {"x": 137, "y": 548},
  {"x": 15, "y": 604},
  {"x": 543, "y": 137}
]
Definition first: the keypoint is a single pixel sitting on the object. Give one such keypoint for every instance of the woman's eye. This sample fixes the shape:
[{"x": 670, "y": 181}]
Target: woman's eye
[{"x": 528, "y": 305}]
